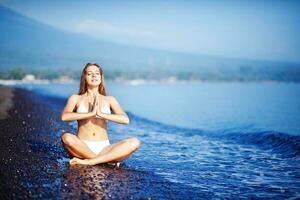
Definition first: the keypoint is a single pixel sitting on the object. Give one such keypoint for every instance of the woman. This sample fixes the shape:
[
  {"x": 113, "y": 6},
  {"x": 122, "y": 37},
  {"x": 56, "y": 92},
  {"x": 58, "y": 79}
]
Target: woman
[{"x": 92, "y": 109}]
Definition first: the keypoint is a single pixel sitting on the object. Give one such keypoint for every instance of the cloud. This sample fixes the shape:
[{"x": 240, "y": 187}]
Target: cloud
[{"x": 101, "y": 29}]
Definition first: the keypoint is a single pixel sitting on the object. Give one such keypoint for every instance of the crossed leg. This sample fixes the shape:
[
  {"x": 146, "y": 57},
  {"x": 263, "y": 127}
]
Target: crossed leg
[
  {"x": 75, "y": 147},
  {"x": 112, "y": 153}
]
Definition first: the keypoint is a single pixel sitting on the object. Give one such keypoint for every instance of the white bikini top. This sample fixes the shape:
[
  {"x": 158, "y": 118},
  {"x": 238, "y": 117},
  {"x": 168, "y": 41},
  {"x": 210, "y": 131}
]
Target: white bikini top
[{"x": 83, "y": 109}]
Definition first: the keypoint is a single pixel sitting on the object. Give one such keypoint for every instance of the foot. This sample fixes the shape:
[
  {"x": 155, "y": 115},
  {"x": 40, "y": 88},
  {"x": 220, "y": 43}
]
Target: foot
[
  {"x": 116, "y": 164},
  {"x": 77, "y": 161}
]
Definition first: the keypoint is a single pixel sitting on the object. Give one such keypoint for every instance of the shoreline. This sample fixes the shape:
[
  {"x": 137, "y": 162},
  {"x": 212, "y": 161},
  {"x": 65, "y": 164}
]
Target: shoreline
[
  {"x": 138, "y": 82},
  {"x": 6, "y": 102},
  {"x": 21, "y": 147},
  {"x": 35, "y": 165}
]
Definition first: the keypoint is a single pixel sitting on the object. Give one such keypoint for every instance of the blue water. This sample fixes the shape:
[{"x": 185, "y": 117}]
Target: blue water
[
  {"x": 223, "y": 139},
  {"x": 242, "y": 107}
]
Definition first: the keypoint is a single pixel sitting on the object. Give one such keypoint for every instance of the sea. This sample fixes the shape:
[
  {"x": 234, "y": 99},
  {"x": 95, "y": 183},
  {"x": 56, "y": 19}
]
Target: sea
[{"x": 225, "y": 139}]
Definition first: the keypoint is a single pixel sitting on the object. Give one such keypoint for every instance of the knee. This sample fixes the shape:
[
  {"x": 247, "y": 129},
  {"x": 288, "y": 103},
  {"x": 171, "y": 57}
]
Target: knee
[
  {"x": 134, "y": 142},
  {"x": 68, "y": 139}
]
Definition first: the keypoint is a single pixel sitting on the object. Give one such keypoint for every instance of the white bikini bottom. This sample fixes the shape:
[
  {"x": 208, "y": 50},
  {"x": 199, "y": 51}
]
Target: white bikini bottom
[{"x": 96, "y": 146}]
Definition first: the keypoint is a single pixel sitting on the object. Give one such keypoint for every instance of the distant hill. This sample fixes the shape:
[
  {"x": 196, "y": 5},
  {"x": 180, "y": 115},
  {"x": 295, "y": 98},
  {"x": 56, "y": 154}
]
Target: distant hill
[{"x": 32, "y": 45}]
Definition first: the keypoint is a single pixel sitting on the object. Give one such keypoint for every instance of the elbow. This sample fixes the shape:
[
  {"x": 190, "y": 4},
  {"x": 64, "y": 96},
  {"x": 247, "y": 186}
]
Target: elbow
[
  {"x": 66, "y": 117},
  {"x": 63, "y": 118},
  {"x": 126, "y": 120}
]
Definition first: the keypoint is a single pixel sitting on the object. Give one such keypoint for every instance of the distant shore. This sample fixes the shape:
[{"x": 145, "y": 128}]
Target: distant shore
[{"x": 134, "y": 82}]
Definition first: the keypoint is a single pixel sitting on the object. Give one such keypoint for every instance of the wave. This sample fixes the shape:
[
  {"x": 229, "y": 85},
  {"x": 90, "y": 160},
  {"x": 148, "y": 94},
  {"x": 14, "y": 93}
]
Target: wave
[{"x": 286, "y": 145}]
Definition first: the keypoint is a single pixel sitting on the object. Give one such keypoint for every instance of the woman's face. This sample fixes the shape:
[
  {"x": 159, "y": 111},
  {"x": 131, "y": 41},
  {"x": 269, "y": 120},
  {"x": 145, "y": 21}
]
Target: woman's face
[{"x": 93, "y": 75}]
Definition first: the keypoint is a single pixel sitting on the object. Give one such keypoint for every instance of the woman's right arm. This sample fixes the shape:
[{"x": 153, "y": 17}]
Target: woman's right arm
[{"x": 68, "y": 113}]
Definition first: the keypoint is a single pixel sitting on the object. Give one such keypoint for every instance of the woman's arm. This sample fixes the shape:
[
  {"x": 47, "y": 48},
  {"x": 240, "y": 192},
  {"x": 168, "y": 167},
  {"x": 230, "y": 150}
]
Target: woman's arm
[
  {"x": 119, "y": 117},
  {"x": 69, "y": 115}
]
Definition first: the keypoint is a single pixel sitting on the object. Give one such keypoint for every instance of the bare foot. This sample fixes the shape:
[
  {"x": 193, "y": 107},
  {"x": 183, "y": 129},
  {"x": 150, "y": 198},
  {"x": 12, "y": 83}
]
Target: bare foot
[
  {"x": 116, "y": 164},
  {"x": 77, "y": 161}
]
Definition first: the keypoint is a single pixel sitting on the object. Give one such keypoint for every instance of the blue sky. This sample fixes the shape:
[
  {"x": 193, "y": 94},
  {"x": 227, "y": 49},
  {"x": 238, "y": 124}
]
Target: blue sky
[{"x": 267, "y": 30}]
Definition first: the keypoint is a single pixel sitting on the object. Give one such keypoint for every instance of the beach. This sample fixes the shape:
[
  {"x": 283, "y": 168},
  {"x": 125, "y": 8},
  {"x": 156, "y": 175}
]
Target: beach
[
  {"x": 173, "y": 162},
  {"x": 5, "y": 101},
  {"x": 35, "y": 166},
  {"x": 211, "y": 91},
  {"x": 28, "y": 157}
]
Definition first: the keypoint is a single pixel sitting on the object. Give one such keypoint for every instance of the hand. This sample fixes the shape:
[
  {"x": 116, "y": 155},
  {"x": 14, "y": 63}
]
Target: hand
[
  {"x": 96, "y": 105},
  {"x": 98, "y": 113}
]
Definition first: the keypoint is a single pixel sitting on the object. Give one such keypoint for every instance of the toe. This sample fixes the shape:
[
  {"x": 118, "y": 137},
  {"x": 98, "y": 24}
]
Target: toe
[{"x": 72, "y": 161}]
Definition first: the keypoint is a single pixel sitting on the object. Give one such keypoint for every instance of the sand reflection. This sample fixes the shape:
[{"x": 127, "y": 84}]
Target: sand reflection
[{"x": 97, "y": 182}]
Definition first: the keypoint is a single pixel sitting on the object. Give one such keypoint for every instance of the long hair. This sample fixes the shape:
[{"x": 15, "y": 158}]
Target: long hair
[{"x": 83, "y": 86}]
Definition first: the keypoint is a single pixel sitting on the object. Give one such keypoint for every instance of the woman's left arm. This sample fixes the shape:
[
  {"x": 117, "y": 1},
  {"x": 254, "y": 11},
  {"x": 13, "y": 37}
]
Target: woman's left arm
[{"x": 119, "y": 115}]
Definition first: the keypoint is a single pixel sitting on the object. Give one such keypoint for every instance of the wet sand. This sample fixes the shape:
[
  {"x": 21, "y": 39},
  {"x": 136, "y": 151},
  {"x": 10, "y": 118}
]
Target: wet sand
[
  {"x": 6, "y": 102},
  {"x": 35, "y": 166},
  {"x": 27, "y": 159}
]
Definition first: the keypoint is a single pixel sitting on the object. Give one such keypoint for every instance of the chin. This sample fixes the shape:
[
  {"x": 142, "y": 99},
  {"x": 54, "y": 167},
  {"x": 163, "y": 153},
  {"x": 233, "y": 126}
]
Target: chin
[{"x": 94, "y": 83}]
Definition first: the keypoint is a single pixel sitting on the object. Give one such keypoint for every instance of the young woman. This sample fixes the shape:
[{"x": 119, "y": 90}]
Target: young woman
[{"x": 92, "y": 109}]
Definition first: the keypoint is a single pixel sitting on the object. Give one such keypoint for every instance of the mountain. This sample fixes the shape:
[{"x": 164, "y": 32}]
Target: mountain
[{"x": 30, "y": 44}]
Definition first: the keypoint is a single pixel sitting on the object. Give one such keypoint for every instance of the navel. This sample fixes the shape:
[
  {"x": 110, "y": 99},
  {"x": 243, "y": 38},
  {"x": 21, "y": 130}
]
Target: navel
[{"x": 94, "y": 134}]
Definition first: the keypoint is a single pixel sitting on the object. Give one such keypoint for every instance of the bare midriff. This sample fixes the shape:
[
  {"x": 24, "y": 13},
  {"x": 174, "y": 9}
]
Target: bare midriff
[{"x": 92, "y": 129}]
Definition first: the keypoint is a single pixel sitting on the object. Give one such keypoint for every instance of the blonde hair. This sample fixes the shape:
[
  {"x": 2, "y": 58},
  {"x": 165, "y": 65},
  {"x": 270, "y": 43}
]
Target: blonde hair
[{"x": 83, "y": 86}]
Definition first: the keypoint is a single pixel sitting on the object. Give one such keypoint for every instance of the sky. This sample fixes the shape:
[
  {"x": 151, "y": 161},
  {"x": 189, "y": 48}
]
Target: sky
[{"x": 265, "y": 30}]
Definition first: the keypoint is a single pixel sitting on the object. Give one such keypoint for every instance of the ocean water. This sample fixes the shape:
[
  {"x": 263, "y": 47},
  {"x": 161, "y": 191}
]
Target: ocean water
[
  {"x": 218, "y": 107},
  {"x": 222, "y": 139}
]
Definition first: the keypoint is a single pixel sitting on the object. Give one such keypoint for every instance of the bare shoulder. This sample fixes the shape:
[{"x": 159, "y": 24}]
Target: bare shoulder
[
  {"x": 116, "y": 107},
  {"x": 74, "y": 98},
  {"x": 72, "y": 102},
  {"x": 111, "y": 99}
]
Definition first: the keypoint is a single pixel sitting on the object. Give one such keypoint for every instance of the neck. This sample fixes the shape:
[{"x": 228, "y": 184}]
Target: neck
[{"x": 92, "y": 90}]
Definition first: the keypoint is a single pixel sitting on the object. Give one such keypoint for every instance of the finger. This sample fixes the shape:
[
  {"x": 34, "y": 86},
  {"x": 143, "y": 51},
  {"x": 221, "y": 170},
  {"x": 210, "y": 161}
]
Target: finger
[{"x": 96, "y": 99}]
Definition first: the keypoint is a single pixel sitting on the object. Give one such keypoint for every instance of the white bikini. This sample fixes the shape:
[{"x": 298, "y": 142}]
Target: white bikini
[
  {"x": 95, "y": 146},
  {"x": 82, "y": 109}
]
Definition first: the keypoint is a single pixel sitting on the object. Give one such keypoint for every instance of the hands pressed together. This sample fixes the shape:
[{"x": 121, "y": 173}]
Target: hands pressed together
[{"x": 96, "y": 107}]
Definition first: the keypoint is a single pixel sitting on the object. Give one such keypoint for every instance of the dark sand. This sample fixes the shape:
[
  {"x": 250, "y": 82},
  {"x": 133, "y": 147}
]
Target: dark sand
[
  {"x": 6, "y": 102},
  {"x": 35, "y": 166}
]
